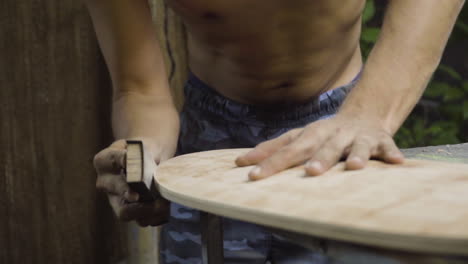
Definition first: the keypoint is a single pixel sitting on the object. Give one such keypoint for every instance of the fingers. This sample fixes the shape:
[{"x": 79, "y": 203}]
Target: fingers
[
  {"x": 286, "y": 157},
  {"x": 365, "y": 148},
  {"x": 328, "y": 155},
  {"x": 361, "y": 151},
  {"x": 112, "y": 183},
  {"x": 158, "y": 216},
  {"x": 144, "y": 213},
  {"x": 389, "y": 152},
  {"x": 323, "y": 151},
  {"x": 119, "y": 144},
  {"x": 121, "y": 208},
  {"x": 116, "y": 185},
  {"x": 155, "y": 221},
  {"x": 294, "y": 153},
  {"x": 148, "y": 214},
  {"x": 111, "y": 159},
  {"x": 266, "y": 149},
  {"x": 109, "y": 164}
]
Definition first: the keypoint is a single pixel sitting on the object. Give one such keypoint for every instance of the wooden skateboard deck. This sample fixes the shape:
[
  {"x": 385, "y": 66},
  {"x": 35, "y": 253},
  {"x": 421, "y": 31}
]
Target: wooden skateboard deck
[{"x": 416, "y": 206}]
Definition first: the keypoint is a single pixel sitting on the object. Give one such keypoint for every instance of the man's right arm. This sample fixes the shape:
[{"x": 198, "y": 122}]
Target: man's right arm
[{"x": 142, "y": 105}]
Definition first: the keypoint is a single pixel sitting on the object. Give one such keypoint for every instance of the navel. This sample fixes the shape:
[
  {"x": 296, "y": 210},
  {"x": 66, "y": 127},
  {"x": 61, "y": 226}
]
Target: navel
[{"x": 284, "y": 85}]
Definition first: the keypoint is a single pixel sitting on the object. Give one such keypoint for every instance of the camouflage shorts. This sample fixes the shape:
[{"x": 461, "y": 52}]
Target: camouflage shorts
[{"x": 210, "y": 121}]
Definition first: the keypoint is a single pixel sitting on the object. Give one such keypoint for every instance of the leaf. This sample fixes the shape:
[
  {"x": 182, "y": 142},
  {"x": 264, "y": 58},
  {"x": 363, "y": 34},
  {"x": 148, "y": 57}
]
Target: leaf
[
  {"x": 450, "y": 71},
  {"x": 404, "y": 137},
  {"x": 436, "y": 89},
  {"x": 452, "y": 111},
  {"x": 447, "y": 134},
  {"x": 465, "y": 110},
  {"x": 434, "y": 129},
  {"x": 369, "y": 11},
  {"x": 419, "y": 130},
  {"x": 465, "y": 86},
  {"x": 462, "y": 26},
  {"x": 370, "y": 34},
  {"x": 453, "y": 93}
]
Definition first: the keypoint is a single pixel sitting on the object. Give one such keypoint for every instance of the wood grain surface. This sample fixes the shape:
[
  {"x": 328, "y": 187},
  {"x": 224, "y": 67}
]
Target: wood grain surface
[
  {"x": 54, "y": 116},
  {"x": 417, "y": 206}
]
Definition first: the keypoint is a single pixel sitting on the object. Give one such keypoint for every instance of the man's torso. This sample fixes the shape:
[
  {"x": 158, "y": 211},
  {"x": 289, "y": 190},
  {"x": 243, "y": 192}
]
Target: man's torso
[{"x": 272, "y": 51}]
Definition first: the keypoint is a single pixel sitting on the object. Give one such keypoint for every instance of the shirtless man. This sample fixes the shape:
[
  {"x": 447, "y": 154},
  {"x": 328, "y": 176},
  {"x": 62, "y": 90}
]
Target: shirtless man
[{"x": 284, "y": 76}]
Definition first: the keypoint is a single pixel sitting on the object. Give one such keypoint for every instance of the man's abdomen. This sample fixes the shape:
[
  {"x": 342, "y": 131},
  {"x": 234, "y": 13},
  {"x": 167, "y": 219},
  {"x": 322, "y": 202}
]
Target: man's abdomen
[{"x": 272, "y": 51}]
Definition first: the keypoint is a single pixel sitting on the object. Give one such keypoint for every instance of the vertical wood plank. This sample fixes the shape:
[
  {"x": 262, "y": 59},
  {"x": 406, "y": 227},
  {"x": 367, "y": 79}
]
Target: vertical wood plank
[{"x": 54, "y": 116}]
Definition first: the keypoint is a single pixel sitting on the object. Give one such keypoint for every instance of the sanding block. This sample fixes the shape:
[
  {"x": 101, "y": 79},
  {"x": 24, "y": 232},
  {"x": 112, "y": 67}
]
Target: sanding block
[{"x": 139, "y": 172}]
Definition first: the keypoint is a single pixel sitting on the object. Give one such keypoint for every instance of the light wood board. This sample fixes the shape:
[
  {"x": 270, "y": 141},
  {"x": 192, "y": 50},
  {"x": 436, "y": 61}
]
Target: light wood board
[{"x": 417, "y": 206}]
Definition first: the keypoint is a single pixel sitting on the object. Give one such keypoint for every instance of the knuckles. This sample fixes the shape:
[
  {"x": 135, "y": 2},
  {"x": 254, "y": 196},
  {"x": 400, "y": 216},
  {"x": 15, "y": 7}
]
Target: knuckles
[
  {"x": 99, "y": 185},
  {"x": 260, "y": 146},
  {"x": 293, "y": 134},
  {"x": 124, "y": 215},
  {"x": 109, "y": 159},
  {"x": 144, "y": 215},
  {"x": 288, "y": 153},
  {"x": 99, "y": 159}
]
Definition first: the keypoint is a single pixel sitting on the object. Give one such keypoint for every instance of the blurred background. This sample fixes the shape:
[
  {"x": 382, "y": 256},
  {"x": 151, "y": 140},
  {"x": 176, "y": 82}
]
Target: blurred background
[
  {"x": 55, "y": 115},
  {"x": 441, "y": 116}
]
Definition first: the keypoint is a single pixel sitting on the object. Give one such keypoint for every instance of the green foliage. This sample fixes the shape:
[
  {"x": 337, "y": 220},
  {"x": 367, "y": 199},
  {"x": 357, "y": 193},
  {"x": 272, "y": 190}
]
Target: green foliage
[
  {"x": 369, "y": 12},
  {"x": 441, "y": 116},
  {"x": 369, "y": 34},
  {"x": 462, "y": 26}
]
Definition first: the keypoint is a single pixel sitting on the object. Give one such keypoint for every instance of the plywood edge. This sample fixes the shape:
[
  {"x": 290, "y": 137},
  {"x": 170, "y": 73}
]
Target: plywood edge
[{"x": 423, "y": 244}]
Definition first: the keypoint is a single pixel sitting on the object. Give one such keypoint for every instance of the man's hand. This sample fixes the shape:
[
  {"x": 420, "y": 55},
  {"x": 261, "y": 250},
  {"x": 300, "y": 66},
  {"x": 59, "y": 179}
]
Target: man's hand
[
  {"x": 110, "y": 165},
  {"x": 321, "y": 145}
]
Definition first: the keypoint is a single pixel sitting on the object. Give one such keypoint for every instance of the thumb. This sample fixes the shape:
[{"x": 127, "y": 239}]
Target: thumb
[{"x": 266, "y": 149}]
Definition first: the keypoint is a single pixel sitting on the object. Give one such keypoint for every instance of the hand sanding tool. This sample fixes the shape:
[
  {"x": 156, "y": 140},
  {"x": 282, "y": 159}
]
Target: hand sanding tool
[{"x": 139, "y": 172}]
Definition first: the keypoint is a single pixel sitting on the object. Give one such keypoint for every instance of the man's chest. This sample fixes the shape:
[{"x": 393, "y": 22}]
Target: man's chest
[{"x": 251, "y": 11}]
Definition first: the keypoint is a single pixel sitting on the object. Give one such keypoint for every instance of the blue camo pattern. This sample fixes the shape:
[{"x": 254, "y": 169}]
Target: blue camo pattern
[{"x": 210, "y": 121}]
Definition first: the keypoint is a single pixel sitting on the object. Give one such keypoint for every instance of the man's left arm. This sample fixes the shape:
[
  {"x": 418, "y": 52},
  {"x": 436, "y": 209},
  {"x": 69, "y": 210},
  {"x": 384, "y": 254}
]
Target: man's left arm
[{"x": 411, "y": 43}]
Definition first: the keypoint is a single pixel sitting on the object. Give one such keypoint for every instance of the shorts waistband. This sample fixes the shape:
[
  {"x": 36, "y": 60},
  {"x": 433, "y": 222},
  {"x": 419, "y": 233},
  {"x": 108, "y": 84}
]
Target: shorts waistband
[{"x": 201, "y": 97}]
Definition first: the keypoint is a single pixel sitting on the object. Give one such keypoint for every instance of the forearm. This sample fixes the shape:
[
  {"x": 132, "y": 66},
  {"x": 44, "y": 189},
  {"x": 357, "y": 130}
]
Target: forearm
[
  {"x": 399, "y": 67},
  {"x": 138, "y": 116},
  {"x": 142, "y": 104}
]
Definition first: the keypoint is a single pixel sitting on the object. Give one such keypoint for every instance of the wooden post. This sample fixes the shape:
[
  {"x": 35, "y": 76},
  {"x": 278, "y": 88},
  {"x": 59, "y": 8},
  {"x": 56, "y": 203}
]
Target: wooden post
[
  {"x": 54, "y": 116},
  {"x": 143, "y": 242}
]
